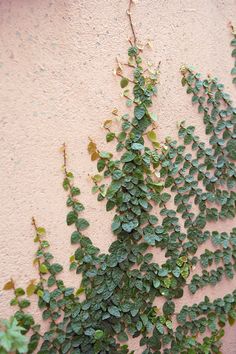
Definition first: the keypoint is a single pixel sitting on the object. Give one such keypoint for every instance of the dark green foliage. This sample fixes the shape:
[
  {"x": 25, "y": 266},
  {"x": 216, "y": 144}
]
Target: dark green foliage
[{"x": 187, "y": 188}]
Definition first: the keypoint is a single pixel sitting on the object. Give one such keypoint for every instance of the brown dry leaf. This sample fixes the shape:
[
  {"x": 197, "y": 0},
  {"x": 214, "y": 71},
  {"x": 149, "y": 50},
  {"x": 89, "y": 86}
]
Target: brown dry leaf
[
  {"x": 35, "y": 261},
  {"x": 140, "y": 46},
  {"x": 131, "y": 62},
  {"x": 62, "y": 149},
  {"x": 115, "y": 112},
  {"x": 149, "y": 44},
  {"x": 119, "y": 70},
  {"x": 94, "y": 156},
  {"x": 107, "y": 123},
  {"x": 92, "y": 147},
  {"x": 9, "y": 285},
  {"x": 183, "y": 69}
]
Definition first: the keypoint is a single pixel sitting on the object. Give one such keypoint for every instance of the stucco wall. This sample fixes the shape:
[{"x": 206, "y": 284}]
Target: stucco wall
[{"x": 56, "y": 61}]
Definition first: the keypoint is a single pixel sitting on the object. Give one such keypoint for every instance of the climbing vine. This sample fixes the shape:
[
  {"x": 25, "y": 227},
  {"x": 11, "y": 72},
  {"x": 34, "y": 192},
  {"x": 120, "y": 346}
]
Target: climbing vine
[{"x": 164, "y": 195}]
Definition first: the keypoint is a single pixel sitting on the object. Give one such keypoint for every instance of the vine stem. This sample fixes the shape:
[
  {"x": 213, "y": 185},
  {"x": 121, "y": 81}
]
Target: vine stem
[
  {"x": 131, "y": 22},
  {"x": 35, "y": 228},
  {"x": 64, "y": 158},
  {"x": 40, "y": 244}
]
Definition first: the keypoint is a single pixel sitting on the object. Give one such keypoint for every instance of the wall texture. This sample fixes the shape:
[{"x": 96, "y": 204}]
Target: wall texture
[{"x": 56, "y": 61}]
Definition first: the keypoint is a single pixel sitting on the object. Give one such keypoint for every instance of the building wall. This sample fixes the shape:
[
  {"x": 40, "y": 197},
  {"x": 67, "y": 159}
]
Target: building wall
[{"x": 56, "y": 62}]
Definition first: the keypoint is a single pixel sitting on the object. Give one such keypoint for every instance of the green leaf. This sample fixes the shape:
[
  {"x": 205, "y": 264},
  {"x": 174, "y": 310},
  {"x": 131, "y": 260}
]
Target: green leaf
[
  {"x": 129, "y": 103},
  {"x": 132, "y": 51},
  {"x": 188, "y": 139},
  {"x": 184, "y": 271},
  {"x": 169, "y": 324},
  {"x": 114, "y": 311},
  {"x": 195, "y": 99},
  {"x": 105, "y": 155},
  {"x": 168, "y": 308},
  {"x": 139, "y": 112},
  {"x": 43, "y": 269},
  {"x": 66, "y": 347},
  {"x": 165, "y": 197},
  {"x": 101, "y": 165},
  {"x": 128, "y": 156},
  {"x": 75, "y": 237},
  {"x": 78, "y": 207},
  {"x": 46, "y": 296},
  {"x": 151, "y": 239},
  {"x": 233, "y": 71},
  {"x": 117, "y": 174},
  {"x": 82, "y": 224},
  {"x": 231, "y": 148},
  {"x": 122, "y": 136},
  {"x": 19, "y": 292},
  {"x": 75, "y": 191},
  {"x": 98, "y": 334},
  {"x": 124, "y": 82},
  {"x": 110, "y": 136},
  {"x": 115, "y": 224},
  {"x": 71, "y": 218},
  {"x": 122, "y": 337},
  {"x": 176, "y": 272},
  {"x": 163, "y": 272},
  {"x": 153, "y": 116},
  {"x": 160, "y": 327},
  {"x": 46, "y": 314},
  {"x": 69, "y": 291},
  {"x": 24, "y": 303},
  {"x": 233, "y": 42},
  {"x": 51, "y": 280},
  {"x": 137, "y": 146},
  {"x": 153, "y": 219},
  {"x": 129, "y": 226},
  {"x": 156, "y": 283},
  {"x": 55, "y": 268}
]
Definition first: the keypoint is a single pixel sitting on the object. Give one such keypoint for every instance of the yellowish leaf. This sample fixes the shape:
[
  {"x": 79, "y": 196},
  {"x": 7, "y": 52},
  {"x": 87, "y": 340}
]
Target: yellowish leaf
[
  {"x": 79, "y": 291},
  {"x": 97, "y": 178},
  {"x": 152, "y": 136},
  {"x": 30, "y": 288},
  {"x": 41, "y": 230},
  {"x": 156, "y": 144},
  {"x": 40, "y": 293},
  {"x": 36, "y": 239}
]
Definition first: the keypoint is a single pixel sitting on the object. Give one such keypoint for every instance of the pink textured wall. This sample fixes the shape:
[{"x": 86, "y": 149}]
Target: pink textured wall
[{"x": 56, "y": 61}]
